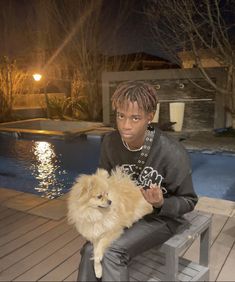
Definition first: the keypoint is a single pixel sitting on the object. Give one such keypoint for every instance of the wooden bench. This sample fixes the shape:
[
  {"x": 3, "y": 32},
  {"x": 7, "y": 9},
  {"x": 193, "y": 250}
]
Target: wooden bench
[{"x": 165, "y": 264}]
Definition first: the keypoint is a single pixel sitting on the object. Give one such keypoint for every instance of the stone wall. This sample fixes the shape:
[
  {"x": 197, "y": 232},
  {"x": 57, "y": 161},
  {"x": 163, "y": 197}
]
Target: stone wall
[{"x": 203, "y": 106}]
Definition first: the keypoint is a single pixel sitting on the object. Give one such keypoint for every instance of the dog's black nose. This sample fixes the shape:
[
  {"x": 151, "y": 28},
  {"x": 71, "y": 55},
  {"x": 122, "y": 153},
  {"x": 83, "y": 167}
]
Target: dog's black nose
[{"x": 109, "y": 202}]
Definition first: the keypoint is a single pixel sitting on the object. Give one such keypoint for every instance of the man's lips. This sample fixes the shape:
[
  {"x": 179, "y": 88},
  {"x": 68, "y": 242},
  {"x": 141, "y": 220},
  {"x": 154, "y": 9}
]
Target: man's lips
[{"x": 126, "y": 135}]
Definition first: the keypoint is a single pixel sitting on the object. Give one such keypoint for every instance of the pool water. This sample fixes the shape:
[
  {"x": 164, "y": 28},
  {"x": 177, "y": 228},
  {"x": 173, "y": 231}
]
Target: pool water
[
  {"x": 49, "y": 168},
  {"x": 214, "y": 175}
]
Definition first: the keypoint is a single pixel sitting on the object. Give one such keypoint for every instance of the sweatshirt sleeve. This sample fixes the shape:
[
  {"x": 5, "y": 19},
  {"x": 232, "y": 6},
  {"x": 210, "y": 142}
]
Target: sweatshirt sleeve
[
  {"x": 182, "y": 201},
  {"x": 180, "y": 197},
  {"x": 104, "y": 161}
]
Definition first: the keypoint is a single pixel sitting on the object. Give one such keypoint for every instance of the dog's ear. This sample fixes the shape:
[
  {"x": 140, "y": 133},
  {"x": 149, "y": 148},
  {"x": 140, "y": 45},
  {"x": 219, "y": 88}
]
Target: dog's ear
[
  {"x": 83, "y": 184},
  {"x": 102, "y": 172}
]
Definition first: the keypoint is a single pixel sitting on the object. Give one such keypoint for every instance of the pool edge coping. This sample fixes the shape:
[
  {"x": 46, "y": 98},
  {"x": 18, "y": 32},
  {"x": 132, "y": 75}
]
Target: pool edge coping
[{"x": 60, "y": 133}]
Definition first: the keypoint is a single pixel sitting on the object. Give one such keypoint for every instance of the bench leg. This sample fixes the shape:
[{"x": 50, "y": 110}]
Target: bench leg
[
  {"x": 205, "y": 246},
  {"x": 207, "y": 276},
  {"x": 172, "y": 264}
]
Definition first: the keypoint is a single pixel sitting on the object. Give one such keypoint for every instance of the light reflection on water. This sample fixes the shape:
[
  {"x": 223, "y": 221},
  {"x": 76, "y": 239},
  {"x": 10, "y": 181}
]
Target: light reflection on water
[
  {"x": 48, "y": 167},
  {"x": 44, "y": 169}
]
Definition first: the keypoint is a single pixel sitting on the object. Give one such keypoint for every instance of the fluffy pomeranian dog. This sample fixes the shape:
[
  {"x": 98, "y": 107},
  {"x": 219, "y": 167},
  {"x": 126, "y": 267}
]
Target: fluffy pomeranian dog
[{"x": 102, "y": 205}]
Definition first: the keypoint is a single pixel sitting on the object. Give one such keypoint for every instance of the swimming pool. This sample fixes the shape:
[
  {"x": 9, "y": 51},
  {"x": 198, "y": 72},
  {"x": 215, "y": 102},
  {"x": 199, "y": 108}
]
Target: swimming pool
[
  {"x": 49, "y": 167},
  {"x": 214, "y": 174}
]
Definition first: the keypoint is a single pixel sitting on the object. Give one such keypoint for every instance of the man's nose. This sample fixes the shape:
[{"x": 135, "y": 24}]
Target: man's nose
[{"x": 126, "y": 124}]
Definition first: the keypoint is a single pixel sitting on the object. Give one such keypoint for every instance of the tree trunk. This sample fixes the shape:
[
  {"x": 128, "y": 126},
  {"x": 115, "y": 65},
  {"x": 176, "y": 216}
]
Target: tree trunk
[
  {"x": 233, "y": 121},
  {"x": 233, "y": 100}
]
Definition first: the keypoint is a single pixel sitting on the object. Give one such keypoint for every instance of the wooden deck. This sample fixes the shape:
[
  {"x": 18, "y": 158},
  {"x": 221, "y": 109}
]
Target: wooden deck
[{"x": 38, "y": 248}]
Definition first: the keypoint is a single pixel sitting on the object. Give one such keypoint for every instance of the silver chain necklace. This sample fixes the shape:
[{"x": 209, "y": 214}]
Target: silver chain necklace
[{"x": 129, "y": 149}]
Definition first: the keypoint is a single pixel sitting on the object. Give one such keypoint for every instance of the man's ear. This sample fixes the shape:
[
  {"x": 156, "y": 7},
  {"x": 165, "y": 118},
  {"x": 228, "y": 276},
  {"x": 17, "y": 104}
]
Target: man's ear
[{"x": 151, "y": 116}]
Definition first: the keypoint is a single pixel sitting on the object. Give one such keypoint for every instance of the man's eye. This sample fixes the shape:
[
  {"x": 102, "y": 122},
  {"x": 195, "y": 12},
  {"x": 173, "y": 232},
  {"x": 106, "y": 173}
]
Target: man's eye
[
  {"x": 99, "y": 196},
  {"x": 120, "y": 116},
  {"x": 136, "y": 118}
]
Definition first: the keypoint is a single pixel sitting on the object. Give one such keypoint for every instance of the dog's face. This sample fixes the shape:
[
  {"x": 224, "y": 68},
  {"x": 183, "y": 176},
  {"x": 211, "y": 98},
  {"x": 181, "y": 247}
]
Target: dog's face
[
  {"x": 94, "y": 190},
  {"x": 100, "y": 199}
]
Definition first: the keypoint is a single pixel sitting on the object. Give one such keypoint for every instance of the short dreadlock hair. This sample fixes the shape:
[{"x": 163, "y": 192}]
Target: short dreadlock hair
[{"x": 135, "y": 91}]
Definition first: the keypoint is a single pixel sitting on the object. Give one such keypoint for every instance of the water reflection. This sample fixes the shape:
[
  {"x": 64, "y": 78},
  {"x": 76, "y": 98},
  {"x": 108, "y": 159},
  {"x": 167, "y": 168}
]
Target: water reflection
[{"x": 45, "y": 170}]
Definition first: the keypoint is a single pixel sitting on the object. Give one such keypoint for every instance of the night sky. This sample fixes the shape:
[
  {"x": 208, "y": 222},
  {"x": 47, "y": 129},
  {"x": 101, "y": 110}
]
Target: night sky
[{"x": 134, "y": 35}]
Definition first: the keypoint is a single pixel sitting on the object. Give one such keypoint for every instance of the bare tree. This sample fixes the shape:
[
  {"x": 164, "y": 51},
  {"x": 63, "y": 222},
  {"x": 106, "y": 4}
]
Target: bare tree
[
  {"x": 71, "y": 33},
  {"x": 195, "y": 26},
  {"x": 13, "y": 82},
  {"x": 65, "y": 39}
]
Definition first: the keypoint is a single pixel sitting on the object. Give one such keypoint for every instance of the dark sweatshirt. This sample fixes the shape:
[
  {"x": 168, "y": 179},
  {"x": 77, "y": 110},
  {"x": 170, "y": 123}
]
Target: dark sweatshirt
[{"x": 167, "y": 165}]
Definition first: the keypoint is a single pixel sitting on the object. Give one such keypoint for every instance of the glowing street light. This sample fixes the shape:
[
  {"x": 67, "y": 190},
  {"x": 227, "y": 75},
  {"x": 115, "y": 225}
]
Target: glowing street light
[{"x": 37, "y": 76}]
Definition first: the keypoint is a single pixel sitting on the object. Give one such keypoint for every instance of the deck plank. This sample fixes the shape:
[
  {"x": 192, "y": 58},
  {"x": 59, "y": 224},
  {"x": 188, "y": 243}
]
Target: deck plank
[
  {"x": 228, "y": 272},
  {"x": 14, "y": 222},
  {"x": 7, "y": 194},
  {"x": 220, "y": 250},
  {"x": 218, "y": 223},
  {"x": 72, "y": 277},
  {"x": 64, "y": 270},
  {"x": 55, "y": 229},
  {"x": 38, "y": 256},
  {"x": 44, "y": 267},
  {"x": 6, "y": 212},
  {"x": 21, "y": 232}
]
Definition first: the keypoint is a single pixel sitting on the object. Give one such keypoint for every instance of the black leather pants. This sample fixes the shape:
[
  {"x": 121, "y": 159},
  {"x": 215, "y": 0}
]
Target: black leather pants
[{"x": 143, "y": 235}]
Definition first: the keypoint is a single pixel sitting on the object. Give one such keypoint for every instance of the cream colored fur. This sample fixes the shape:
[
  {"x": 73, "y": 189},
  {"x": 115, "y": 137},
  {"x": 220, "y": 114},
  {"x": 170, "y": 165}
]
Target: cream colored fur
[{"x": 101, "y": 206}]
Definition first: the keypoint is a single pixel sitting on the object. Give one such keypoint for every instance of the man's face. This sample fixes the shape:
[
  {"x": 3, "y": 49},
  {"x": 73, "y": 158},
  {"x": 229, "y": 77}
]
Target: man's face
[{"x": 132, "y": 122}]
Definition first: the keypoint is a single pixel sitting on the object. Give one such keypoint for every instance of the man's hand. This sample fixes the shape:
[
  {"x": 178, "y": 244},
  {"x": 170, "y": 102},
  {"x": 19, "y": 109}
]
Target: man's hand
[{"x": 153, "y": 195}]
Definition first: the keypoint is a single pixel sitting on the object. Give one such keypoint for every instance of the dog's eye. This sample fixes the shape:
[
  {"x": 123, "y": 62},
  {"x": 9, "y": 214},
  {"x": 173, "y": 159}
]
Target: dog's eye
[{"x": 99, "y": 197}]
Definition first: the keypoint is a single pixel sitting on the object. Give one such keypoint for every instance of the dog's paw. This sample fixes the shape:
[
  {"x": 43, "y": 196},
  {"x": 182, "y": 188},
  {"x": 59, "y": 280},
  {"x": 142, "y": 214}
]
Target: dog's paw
[{"x": 98, "y": 269}]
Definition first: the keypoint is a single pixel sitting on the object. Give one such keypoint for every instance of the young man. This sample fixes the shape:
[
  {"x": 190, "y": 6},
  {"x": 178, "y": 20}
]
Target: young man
[{"x": 158, "y": 163}]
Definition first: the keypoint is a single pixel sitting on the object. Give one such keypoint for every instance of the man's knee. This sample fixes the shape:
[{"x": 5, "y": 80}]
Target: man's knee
[
  {"x": 114, "y": 253},
  {"x": 117, "y": 255}
]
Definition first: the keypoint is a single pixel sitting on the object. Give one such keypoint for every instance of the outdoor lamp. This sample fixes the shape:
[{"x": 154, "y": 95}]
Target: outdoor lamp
[{"x": 37, "y": 76}]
